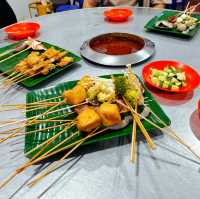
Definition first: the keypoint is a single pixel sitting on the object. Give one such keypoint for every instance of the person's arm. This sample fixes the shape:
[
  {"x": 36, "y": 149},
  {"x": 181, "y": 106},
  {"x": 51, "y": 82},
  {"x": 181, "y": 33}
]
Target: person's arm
[
  {"x": 133, "y": 2},
  {"x": 89, "y": 3},
  {"x": 160, "y": 4}
]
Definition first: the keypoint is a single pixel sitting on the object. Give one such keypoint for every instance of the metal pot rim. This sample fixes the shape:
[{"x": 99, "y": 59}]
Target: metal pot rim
[{"x": 117, "y": 60}]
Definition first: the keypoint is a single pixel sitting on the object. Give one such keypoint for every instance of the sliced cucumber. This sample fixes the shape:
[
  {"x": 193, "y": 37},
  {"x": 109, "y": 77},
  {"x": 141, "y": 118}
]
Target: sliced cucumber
[{"x": 169, "y": 77}]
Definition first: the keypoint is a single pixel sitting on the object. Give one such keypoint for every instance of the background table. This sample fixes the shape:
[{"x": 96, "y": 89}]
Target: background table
[{"x": 105, "y": 172}]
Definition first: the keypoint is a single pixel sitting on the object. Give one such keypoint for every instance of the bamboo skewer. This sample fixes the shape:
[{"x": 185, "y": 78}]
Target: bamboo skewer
[
  {"x": 30, "y": 108},
  {"x": 60, "y": 125},
  {"x": 51, "y": 168},
  {"x": 44, "y": 156},
  {"x": 16, "y": 76},
  {"x": 10, "y": 130},
  {"x": 7, "y": 52},
  {"x": 21, "y": 79},
  {"x": 49, "y": 142},
  {"x": 43, "y": 143},
  {"x": 31, "y": 105},
  {"x": 18, "y": 133},
  {"x": 39, "y": 106},
  {"x": 30, "y": 132},
  {"x": 31, "y": 119},
  {"x": 64, "y": 141},
  {"x": 8, "y": 121},
  {"x": 62, "y": 109},
  {"x": 29, "y": 122},
  {"x": 49, "y": 111},
  {"x": 19, "y": 170},
  {"x": 6, "y": 73},
  {"x": 192, "y": 8},
  {"x": 10, "y": 136},
  {"x": 143, "y": 130},
  {"x": 52, "y": 98},
  {"x": 29, "y": 163},
  {"x": 49, "y": 105},
  {"x": 33, "y": 122},
  {"x": 34, "y": 103},
  {"x": 171, "y": 134},
  {"x": 145, "y": 133},
  {"x": 133, "y": 143},
  {"x": 15, "y": 54},
  {"x": 187, "y": 7},
  {"x": 35, "y": 159}
]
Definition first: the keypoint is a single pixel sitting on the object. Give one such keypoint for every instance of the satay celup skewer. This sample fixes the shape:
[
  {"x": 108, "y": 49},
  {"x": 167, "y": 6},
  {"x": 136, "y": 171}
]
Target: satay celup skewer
[
  {"x": 31, "y": 44},
  {"x": 42, "y": 68}
]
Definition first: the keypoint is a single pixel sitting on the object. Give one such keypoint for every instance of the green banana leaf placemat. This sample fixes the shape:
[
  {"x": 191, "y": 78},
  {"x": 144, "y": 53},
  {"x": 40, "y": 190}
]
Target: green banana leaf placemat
[
  {"x": 151, "y": 25},
  {"x": 33, "y": 139},
  {"x": 33, "y": 81}
]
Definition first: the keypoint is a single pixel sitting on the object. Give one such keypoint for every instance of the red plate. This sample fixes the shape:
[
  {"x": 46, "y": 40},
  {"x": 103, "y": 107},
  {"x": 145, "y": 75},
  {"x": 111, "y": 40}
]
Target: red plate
[
  {"x": 118, "y": 14},
  {"x": 22, "y": 30},
  {"x": 192, "y": 77}
]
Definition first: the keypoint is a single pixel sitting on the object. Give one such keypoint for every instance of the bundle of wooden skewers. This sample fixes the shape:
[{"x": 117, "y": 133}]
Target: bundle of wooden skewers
[
  {"x": 191, "y": 8},
  {"x": 94, "y": 106},
  {"x": 40, "y": 61}
]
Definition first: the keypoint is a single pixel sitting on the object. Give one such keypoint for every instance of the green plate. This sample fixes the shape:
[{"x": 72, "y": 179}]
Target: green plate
[
  {"x": 150, "y": 26},
  {"x": 34, "y": 139},
  {"x": 31, "y": 82}
]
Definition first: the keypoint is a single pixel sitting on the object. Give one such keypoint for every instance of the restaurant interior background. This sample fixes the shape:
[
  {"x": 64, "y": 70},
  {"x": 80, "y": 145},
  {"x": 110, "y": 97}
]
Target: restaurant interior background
[{"x": 21, "y": 7}]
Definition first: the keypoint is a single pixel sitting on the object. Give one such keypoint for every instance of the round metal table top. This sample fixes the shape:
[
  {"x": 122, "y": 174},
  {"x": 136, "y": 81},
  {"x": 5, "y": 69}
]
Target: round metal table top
[{"x": 104, "y": 171}]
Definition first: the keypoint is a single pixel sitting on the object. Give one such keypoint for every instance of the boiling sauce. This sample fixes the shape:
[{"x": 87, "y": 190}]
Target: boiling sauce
[{"x": 116, "y": 45}]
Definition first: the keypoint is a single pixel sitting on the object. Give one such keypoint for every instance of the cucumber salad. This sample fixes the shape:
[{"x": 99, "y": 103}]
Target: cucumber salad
[{"x": 170, "y": 78}]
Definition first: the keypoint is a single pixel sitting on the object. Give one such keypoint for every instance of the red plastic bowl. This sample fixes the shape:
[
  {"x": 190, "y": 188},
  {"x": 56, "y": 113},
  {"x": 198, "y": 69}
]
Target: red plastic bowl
[
  {"x": 118, "y": 14},
  {"x": 22, "y": 30},
  {"x": 199, "y": 107},
  {"x": 192, "y": 77}
]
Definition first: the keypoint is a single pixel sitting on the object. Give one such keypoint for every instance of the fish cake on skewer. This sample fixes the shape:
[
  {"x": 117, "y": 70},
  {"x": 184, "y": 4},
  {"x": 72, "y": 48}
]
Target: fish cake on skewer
[
  {"x": 47, "y": 69},
  {"x": 21, "y": 66},
  {"x": 61, "y": 55},
  {"x": 65, "y": 60},
  {"x": 49, "y": 53},
  {"x": 33, "y": 58},
  {"x": 58, "y": 57},
  {"x": 47, "y": 66}
]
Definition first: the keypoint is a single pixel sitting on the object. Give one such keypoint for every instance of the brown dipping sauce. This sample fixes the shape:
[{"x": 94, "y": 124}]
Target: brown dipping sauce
[{"x": 117, "y": 44}]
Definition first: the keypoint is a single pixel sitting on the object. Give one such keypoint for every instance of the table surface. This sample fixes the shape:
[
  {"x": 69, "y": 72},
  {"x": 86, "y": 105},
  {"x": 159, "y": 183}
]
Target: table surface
[{"x": 104, "y": 171}]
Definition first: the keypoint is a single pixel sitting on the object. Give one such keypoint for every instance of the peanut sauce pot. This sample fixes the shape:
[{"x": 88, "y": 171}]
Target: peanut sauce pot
[{"x": 117, "y": 49}]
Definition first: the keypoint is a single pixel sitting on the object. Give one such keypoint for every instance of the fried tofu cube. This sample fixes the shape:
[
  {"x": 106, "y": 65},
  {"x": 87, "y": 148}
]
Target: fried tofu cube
[
  {"x": 110, "y": 114},
  {"x": 88, "y": 120},
  {"x": 75, "y": 96}
]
